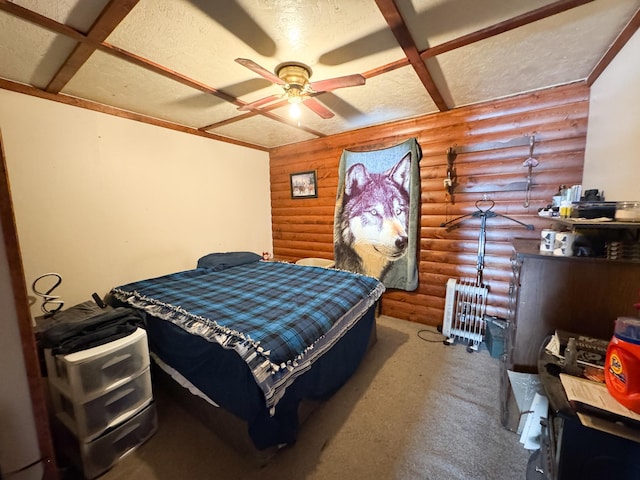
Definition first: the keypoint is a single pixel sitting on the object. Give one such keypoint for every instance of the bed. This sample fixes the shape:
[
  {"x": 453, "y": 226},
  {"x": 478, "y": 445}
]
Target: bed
[{"x": 256, "y": 339}]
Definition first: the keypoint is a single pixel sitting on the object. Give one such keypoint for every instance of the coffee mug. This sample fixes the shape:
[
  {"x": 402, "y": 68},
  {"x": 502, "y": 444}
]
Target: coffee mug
[
  {"x": 547, "y": 240},
  {"x": 564, "y": 244}
]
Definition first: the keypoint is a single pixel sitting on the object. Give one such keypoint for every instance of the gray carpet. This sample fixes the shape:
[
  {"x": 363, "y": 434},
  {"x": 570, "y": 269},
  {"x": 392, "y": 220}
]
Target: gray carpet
[{"x": 413, "y": 410}]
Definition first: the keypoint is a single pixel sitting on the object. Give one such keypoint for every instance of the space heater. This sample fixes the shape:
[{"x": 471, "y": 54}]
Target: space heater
[{"x": 464, "y": 309}]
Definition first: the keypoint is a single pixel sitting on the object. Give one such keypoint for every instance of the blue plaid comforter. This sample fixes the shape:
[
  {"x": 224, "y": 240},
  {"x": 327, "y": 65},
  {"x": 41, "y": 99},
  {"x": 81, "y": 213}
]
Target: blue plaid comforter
[{"x": 278, "y": 317}]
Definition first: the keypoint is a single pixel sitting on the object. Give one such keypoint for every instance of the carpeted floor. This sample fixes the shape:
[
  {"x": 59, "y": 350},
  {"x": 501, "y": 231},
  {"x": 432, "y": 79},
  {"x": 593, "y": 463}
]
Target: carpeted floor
[{"x": 414, "y": 410}]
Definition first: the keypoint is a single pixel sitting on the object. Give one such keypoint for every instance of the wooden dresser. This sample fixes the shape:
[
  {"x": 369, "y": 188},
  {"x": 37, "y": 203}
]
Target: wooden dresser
[{"x": 577, "y": 294}]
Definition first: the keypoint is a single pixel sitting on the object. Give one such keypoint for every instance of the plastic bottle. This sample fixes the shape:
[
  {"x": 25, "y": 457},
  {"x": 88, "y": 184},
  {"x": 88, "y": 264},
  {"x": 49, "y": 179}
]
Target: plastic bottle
[
  {"x": 622, "y": 363},
  {"x": 565, "y": 201}
]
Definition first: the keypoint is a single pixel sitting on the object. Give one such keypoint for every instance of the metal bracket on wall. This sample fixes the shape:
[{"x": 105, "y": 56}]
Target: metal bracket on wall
[
  {"x": 530, "y": 163},
  {"x": 450, "y": 181}
]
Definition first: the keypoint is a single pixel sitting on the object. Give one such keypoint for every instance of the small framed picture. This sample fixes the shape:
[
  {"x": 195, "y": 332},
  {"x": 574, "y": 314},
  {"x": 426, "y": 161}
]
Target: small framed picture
[{"x": 304, "y": 185}]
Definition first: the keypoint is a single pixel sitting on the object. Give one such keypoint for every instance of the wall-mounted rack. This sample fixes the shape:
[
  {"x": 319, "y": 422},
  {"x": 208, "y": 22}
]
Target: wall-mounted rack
[{"x": 452, "y": 186}]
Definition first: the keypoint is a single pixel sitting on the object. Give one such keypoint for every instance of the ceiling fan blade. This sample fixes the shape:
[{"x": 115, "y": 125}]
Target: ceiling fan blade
[
  {"x": 345, "y": 110},
  {"x": 338, "y": 82},
  {"x": 371, "y": 44},
  {"x": 263, "y": 72},
  {"x": 317, "y": 108},
  {"x": 259, "y": 103},
  {"x": 235, "y": 19}
]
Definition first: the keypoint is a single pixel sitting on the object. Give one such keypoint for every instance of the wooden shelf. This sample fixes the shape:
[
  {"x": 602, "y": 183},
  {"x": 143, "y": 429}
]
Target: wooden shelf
[
  {"x": 525, "y": 247},
  {"x": 595, "y": 223}
]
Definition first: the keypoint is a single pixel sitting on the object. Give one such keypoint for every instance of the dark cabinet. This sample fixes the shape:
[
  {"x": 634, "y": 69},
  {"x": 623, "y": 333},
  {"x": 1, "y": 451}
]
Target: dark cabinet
[{"x": 575, "y": 294}]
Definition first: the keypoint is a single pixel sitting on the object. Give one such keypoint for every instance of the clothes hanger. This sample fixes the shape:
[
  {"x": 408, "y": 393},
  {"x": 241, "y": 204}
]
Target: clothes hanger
[{"x": 483, "y": 215}]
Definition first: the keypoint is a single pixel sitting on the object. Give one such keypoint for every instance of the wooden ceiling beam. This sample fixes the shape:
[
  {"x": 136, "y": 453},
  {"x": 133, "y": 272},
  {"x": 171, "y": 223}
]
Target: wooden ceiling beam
[
  {"x": 104, "y": 25},
  {"x": 168, "y": 73},
  {"x": 56, "y": 27},
  {"x": 399, "y": 28},
  {"x": 389, "y": 67},
  {"x": 627, "y": 32},
  {"x": 102, "y": 28},
  {"x": 117, "y": 10},
  {"x": 173, "y": 75},
  {"x": 118, "y": 112},
  {"x": 496, "y": 29},
  {"x": 264, "y": 111},
  {"x": 502, "y": 27},
  {"x": 483, "y": 34},
  {"x": 40, "y": 20}
]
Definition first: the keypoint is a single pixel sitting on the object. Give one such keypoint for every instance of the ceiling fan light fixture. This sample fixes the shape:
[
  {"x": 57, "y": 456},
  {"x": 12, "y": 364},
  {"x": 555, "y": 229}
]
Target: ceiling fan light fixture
[
  {"x": 294, "y": 74},
  {"x": 296, "y": 78},
  {"x": 294, "y": 110},
  {"x": 293, "y": 78},
  {"x": 294, "y": 95}
]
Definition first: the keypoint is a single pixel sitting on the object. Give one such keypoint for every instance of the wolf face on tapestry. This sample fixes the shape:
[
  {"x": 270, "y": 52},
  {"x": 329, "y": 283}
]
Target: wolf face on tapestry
[{"x": 377, "y": 212}]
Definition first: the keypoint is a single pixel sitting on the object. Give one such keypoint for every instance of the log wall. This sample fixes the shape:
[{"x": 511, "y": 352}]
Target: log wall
[{"x": 557, "y": 117}]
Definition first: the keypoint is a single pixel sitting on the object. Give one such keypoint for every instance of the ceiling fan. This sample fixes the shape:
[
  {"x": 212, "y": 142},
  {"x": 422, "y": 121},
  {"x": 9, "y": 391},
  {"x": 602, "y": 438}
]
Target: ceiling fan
[{"x": 294, "y": 77}]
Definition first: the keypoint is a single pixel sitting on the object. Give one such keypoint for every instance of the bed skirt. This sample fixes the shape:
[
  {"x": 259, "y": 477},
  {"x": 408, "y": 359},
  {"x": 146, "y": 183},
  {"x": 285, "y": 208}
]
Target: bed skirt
[{"x": 233, "y": 430}]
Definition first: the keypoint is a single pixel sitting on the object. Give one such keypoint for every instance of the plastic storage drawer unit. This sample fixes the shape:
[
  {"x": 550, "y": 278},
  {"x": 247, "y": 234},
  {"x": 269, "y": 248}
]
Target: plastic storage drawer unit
[
  {"x": 83, "y": 374},
  {"x": 96, "y": 457},
  {"x": 87, "y": 372},
  {"x": 90, "y": 419}
]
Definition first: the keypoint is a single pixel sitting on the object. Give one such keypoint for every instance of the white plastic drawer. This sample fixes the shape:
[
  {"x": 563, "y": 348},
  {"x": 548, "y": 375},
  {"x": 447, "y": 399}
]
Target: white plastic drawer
[
  {"x": 90, "y": 419},
  {"x": 87, "y": 373},
  {"x": 96, "y": 457}
]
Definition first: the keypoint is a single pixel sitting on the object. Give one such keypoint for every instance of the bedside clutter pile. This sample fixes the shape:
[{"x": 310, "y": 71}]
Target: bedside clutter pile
[
  {"x": 574, "y": 231},
  {"x": 592, "y": 427},
  {"x": 97, "y": 363},
  {"x": 582, "y": 241},
  {"x": 569, "y": 202}
]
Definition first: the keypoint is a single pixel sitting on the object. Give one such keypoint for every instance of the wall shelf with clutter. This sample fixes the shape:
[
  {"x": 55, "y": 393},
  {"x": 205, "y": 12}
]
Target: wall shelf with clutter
[
  {"x": 593, "y": 227},
  {"x": 609, "y": 239},
  {"x": 577, "y": 223}
]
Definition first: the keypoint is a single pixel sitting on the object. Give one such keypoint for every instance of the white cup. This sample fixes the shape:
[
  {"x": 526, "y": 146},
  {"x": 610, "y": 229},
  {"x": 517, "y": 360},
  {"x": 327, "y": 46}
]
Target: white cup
[
  {"x": 547, "y": 240},
  {"x": 564, "y": 244}
]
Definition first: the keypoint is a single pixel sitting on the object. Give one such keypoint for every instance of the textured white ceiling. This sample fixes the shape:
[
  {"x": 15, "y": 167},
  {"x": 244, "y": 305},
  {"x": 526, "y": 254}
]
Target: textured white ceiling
[{"x": 198, "y": 40}]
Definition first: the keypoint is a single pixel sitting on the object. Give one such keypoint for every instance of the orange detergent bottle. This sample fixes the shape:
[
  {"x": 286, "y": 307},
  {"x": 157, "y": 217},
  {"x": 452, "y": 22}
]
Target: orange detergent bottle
[{"x": 622, "y": 363}]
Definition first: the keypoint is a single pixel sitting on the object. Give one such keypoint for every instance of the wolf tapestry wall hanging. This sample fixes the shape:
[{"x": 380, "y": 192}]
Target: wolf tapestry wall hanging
[{"x": 375, "y": 230}]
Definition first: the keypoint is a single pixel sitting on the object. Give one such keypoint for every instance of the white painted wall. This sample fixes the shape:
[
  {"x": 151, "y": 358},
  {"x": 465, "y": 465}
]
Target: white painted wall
[
  {"x": 612, "y": 156},
  {"x": 103, "y": 200}
]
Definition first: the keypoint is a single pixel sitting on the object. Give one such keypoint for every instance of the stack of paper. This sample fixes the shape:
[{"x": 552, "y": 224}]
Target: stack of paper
[{"x": 615, "y": 418}]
